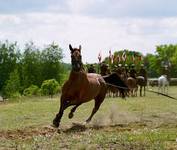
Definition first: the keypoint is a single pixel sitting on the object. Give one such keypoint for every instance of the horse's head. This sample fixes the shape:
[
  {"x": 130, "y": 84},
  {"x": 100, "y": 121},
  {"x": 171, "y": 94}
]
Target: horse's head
[{"x": 76, "y": 58}]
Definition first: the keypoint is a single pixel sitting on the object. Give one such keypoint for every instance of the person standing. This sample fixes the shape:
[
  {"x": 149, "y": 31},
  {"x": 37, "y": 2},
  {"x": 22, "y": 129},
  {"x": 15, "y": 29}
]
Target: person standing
[
  {"x": 133, "y": 72},
  {"x": 91, "y": 69},
  {"x": 143, "y": 72}
]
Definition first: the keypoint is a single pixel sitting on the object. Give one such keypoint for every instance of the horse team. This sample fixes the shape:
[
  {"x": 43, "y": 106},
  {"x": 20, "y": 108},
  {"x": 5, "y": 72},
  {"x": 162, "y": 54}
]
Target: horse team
[{"x": 129, "y": 75}]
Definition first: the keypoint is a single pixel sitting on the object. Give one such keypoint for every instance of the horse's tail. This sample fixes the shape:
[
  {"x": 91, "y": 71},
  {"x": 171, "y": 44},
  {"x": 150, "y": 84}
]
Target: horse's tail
[{"x": 115, "y": 81}]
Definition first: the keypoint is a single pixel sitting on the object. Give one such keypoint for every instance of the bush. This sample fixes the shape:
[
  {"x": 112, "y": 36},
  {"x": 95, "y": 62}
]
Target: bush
[
  {"x": 50, "y": 87},
  {"x": 32, "y": 90}
]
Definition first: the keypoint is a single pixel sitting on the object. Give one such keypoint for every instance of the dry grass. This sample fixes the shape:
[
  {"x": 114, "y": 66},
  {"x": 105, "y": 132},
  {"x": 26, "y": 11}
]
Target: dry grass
[{"x": 136, "y": 123}]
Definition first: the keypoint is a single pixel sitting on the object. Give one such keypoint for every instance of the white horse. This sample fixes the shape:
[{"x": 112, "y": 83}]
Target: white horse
[{"x": 163, "y": 84}]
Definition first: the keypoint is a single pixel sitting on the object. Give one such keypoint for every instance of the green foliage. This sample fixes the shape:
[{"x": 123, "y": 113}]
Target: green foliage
[
  {"x": 51, "y": 58},
  {"x": 50, "y": 87},
  {"x": 132, "y": 57},
  {"x": 167, "y": 55},
  {"x": 151, "y": 62},
  {"x": 31, "y": 66},
  {"x": 9, "y": 57},
  {"x": 32, "y": 90},
  {"x": 34, "y": 64},
  {"x": 12, "y": 86}
]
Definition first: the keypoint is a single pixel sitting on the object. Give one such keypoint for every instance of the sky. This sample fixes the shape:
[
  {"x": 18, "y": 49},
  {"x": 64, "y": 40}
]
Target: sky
[{"x": 96, "y": 25}]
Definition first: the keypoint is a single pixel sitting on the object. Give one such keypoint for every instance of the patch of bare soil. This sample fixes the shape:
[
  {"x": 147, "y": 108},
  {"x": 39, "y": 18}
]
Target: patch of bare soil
[
  {"x": 30, "y": 132},
  {"x": 27, "y": 132},
  {"x": 111, "y": 123}
]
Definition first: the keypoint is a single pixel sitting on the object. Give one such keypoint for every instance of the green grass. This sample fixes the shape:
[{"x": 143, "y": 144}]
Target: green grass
[{"x": 136, "y": 123}]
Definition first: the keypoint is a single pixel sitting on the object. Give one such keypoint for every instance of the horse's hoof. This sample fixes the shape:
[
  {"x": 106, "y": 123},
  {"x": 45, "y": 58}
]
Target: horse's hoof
[
  {"x": 70, "y": 115},
  {"x": 87, "y": 121},
  {"x": 55, "y": 124},
  {"x": 84, "y": 123},
  {"x": 59, "y": 131}
]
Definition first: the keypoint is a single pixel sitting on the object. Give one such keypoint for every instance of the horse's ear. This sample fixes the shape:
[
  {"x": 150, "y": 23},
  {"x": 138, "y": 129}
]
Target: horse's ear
[
  {"x": 80, "y": 47},
  {"x": 70, "y": 47}
]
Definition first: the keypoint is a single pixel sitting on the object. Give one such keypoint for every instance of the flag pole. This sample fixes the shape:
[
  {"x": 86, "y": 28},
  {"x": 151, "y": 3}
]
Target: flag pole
[{"x": 99, "y": 62}]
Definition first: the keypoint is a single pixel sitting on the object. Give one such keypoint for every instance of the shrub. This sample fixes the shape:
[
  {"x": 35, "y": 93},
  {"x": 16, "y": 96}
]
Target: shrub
[
  {"x": 50, "y": 87},
  {"x": 32, "y": 90}
]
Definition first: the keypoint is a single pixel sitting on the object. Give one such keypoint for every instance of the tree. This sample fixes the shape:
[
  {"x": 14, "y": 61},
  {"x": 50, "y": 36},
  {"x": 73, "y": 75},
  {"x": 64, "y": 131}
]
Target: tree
[
  {"x": 31, "y": 66},
  {"x": 167, "y": 54},
  {"x": 9, "y": 57},
  {"x": 34, "y": 65},
  {"x": 51, "y": 59},
  {"x": 151, "y": 61}
]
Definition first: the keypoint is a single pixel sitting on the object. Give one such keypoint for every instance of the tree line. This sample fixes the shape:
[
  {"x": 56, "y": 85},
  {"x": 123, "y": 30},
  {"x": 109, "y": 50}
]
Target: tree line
[
  {"x": 164, "y": 56},
  {"x": 31, "y": 69},
  {"x": 22, "y": 68}
]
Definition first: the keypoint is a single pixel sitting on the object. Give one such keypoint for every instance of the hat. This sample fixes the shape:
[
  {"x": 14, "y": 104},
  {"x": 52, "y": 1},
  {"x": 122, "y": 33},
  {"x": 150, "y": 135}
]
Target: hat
[
  {"x": 142, "y": 65},
  {"x": 119, "y": 65}
]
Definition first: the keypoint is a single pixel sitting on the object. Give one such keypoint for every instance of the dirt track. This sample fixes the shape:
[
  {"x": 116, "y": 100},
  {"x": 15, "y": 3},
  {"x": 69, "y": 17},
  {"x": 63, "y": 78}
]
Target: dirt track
[{"x": 48, "y": 131}]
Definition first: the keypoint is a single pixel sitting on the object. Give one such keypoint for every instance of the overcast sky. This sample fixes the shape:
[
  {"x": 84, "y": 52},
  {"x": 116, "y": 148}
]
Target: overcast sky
[{"x": 96, "y": 25}]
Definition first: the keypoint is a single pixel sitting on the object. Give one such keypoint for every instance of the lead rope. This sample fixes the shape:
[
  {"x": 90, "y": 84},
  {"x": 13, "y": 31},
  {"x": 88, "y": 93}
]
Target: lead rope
[{"x": 147, "y": 90}]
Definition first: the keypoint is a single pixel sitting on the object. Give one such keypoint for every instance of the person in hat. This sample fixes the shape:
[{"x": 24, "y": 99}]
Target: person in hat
[
  {"x": 132, "y": 71},
  {"x": 126, "y": 68},
  {"x": 143, "y": 72},
  {"x": 114, "y": 68},
  {"x": 91, "y": 69},
  {"x": 119, "y": 69},
  {"x": 166, "y": 71},
  {"x": 104, "y": 68},
  {"x": 124, "y": 74}
]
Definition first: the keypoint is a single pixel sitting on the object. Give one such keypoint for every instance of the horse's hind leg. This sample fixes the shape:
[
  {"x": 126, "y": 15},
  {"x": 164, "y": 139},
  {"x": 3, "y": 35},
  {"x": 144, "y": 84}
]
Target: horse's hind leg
[
  {"x": 98, "y": 101},
  {"x": 140, "y": 90},
  {"x": 159, "y": 88},
  {"x": 72, "y": 111}
]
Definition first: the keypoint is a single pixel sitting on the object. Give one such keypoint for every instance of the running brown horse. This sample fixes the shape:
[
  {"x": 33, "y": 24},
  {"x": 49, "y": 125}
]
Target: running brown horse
[{"x": 82, "y": 87}]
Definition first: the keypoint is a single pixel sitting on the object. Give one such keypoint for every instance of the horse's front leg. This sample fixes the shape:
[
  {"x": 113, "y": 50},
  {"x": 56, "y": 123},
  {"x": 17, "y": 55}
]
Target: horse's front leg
[
  {"x": 167, "y": 89},
  {"x": 63, "y": 105},
  {"x": 159, "y": 89}
]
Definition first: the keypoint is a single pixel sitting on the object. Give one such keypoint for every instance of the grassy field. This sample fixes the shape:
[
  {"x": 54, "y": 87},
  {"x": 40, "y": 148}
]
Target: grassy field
[{"x": 135, "y": 123}]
